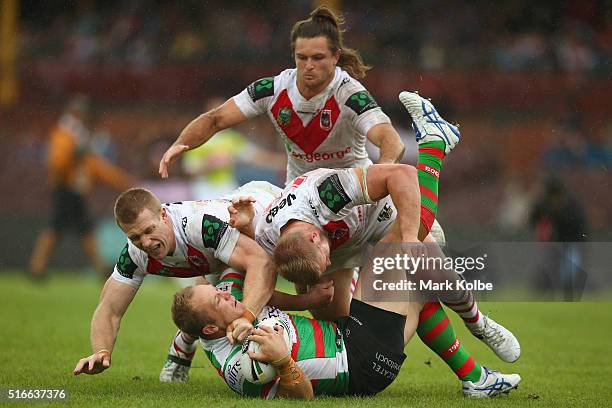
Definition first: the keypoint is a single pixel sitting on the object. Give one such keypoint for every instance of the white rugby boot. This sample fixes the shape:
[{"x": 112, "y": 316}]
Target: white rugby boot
[
  {"x": 491, "y": 383},
  {"x": 177, "y": 365},
  {"x": 499, "y": 339},
  {"x": 427, "y": 123}
]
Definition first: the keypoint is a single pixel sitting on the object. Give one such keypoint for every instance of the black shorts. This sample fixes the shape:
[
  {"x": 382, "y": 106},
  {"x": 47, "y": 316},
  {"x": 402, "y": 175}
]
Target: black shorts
[
  {"x": 69, "y": 211},
  {"x": 374, "y": 341}
]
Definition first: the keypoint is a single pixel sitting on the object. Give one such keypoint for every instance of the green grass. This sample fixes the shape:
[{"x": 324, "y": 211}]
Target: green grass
[{"x": 565, "y": 361}]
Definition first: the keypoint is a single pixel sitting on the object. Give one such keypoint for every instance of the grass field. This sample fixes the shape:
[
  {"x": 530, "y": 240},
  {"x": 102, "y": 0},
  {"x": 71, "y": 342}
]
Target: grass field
[{"x": 565, "y": 361}]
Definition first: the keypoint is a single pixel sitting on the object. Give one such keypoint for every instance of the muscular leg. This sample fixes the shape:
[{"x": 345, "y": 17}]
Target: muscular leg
[
  {"x": 427, "y": 319},
  {"x": 45, "y": 243},
  {"x": 436, "y": 138}
]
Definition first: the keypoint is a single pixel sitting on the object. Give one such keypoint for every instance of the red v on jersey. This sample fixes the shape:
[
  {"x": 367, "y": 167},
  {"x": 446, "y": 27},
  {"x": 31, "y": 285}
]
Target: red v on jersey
[
  {"x": 197, "y": 261},
  {"x": 338, "y": 232},
  {"x": 310, "y": 137}
]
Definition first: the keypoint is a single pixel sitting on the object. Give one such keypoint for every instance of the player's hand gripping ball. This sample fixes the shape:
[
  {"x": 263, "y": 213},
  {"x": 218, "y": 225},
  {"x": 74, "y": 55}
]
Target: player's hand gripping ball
[{"x": 258, "y": 372}]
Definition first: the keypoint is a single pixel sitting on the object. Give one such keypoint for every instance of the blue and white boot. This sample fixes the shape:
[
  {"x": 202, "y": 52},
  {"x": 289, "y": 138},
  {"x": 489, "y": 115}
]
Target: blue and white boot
[
  {"x": 427, "y": 123},
  {"x": 491, "y": 383}
]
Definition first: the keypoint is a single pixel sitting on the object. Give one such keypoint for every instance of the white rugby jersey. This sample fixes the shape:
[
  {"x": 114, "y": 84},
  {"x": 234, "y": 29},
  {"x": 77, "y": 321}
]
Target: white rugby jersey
[
  {"x": 328, "y": 130},
  {"x": 204, "y": 244},
  {"x": 204, "y": 239},
  {"x": 335, "y": 201}
]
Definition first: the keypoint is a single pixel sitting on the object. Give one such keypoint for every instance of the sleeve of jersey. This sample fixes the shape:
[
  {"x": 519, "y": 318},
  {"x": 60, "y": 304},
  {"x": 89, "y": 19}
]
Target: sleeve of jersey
[
  {"x": 130, "y": 266},
  {"x": 254, "y": 100},
  {"x": 365, "y": 111},
  {"x": 340, "y": 190},
  {"x": 214, "y": 235}
]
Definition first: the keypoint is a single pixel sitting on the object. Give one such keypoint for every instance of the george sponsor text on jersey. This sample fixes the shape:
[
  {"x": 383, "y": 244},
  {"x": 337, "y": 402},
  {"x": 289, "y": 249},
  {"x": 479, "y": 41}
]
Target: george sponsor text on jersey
[{"x": 310, "y": 157}]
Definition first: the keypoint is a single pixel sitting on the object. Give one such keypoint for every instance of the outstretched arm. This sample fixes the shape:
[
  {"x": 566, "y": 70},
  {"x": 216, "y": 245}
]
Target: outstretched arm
[
  {"x": 114, "y": 301},
  {"x": 200, "y": 130},
  {"x": 259, "y": 283},
  {"x": 317, "y": 296}
]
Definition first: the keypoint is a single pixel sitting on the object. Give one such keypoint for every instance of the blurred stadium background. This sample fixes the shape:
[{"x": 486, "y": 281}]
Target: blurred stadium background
[{"x": 529, "y": 84}]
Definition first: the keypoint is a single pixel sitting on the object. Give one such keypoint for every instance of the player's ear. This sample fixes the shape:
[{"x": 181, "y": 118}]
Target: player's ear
[
  {"x": 337, "y": 55},
  {"x": 312, "y": 237},
  {"x": 210, "y": 329},
  {"x": 163, "y": 213}
]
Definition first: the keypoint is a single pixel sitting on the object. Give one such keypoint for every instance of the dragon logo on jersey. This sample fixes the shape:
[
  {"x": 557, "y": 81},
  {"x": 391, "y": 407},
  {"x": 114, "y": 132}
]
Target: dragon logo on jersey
[
  {"x": 326, "y": 120},
  {"x": 125, "y": 265},
  {"x": 361, "y": 102},
  {"x": 385, "y": 213},
  {"x": 261, "y": 88},
  {"x": 333, "y": 194},
  {"x": 212, "y": 231},
  {"x": 283, "y": 117},
  {"x": 338, "y": 232}
]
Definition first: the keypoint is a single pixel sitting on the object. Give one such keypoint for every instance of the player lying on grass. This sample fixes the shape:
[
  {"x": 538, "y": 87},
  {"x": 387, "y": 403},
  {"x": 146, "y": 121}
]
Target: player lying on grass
[
  {"x": 358, "y": 354},
  {"x": 183, "y": 239},
  {"x": 320, "y": 225}
]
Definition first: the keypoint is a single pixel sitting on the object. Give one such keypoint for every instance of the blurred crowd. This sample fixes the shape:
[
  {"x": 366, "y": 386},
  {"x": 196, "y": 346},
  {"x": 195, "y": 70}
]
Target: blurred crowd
[
  {"x": 553, "y": 124},
  {"x": 573, "y": 36}
]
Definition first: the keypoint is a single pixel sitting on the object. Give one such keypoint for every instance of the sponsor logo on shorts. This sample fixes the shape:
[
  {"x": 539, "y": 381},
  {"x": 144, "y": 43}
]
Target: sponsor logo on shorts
[
  {"x": 356, "y": 320},
  {"x": 312, "y": 157},
  {"x": 385, "y": 366}
]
